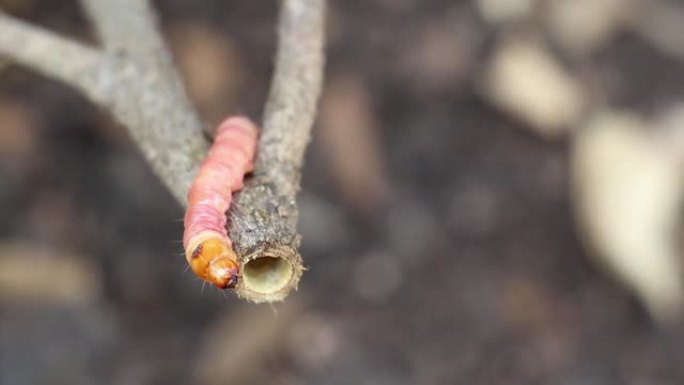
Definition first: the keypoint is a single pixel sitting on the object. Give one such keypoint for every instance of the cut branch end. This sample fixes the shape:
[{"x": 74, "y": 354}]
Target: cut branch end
[{"x": 269, "y": 275}]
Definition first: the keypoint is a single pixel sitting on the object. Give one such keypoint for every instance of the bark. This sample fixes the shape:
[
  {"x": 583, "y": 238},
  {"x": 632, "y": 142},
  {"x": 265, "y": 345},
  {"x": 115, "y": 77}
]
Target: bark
[{"x": 133, "y": 78}]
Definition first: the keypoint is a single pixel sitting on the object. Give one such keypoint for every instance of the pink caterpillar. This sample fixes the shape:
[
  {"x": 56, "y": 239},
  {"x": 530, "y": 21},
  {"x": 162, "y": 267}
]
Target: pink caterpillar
[{"x": 208, "y": 248}]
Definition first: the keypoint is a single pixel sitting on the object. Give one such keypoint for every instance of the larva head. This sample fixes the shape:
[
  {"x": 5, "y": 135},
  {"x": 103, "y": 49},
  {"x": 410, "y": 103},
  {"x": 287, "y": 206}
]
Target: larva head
[
  {"x": 215, "y": 262},
  {"x": 223, "y": 273}
]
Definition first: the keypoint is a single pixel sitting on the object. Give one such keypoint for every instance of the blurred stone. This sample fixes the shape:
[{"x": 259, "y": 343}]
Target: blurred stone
[
  {"x": 502, "y": 11},
  {"x": 39, "y": 275},
  {"x": 21, "y": 152},
  {"x": 627, "y": 195},
  {"x": 18, "y": 129},
  {"x": 211, "y": 67},
  {"x": 583, "y": 26},
  {"x": 236, "y": 348},
  {"x": 525, "y": 80},
  {"x": 349, "y": 136},
  {"x": 669, "y": 126}
]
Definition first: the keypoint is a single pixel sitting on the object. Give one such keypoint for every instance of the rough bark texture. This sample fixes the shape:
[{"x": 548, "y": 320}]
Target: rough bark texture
[
  {"x": 79, "y": 66},
  {"x": 134, "y": 78},
  {"x": 264, "y": 217},
  {"x": 147, "y": 96}
]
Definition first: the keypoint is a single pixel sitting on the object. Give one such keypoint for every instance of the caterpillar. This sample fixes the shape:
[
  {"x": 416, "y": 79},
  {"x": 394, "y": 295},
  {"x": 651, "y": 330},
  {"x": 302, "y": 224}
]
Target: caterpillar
[{"x": 208, "y": 248}]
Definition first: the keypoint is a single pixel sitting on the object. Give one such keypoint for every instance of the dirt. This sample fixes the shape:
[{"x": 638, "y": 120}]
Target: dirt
[{"x": 466, "y": 269}]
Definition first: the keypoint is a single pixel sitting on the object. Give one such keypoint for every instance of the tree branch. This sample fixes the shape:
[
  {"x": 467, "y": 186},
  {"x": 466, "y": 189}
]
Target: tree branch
[
  {"x": 120, "y": 23},
  {"x": 134, "y": 79},
  {"x": 55, "y": 56},
  {"x": 142, "y": 91},
  {"x": 264, "y": 217},
  {"x": 149, "y": 98},
  {"x": 291, "y": 106}
]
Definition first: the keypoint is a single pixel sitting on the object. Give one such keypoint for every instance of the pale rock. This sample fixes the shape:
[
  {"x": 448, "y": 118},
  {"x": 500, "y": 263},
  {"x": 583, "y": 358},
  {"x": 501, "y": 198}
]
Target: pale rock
[
  {"x": 528, "y": 82},
  {"x": 582, "y": 26},
  {"x": 501, "y": 11},
  {"x": 627, "y": 195},
  {"x": 32, "y": 274}
]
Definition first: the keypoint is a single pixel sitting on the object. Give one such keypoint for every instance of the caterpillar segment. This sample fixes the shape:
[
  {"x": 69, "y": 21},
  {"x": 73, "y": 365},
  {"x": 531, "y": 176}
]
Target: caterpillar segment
[{"x": 208, "y": 248}]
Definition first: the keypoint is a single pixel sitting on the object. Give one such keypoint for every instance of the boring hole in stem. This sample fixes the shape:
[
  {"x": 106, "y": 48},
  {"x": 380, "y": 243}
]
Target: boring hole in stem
[{"x": 267, "y": 274}]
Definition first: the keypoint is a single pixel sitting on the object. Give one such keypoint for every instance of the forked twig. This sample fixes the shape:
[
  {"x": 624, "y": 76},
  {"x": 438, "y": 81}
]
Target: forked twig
[{"x": 134, "y": 79}]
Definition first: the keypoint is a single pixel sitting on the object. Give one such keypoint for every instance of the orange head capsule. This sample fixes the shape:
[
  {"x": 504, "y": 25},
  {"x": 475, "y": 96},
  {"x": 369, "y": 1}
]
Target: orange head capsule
[
  {"x": 215, "y": 262},
  {"x": 223, "y": 273}
]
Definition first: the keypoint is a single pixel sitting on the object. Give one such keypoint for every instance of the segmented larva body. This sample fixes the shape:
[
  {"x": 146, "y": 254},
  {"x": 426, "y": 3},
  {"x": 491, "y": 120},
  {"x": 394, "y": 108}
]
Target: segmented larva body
[{"x": 208, "y": 248}]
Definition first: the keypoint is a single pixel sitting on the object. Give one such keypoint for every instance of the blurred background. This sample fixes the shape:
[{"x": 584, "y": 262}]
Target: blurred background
[{"x": 491, "y": 197}]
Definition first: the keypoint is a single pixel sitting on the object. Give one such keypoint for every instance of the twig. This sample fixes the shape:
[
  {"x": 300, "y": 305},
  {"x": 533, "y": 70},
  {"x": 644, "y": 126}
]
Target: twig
[
  {"x": 149, "y": 97},
  {"x": 142, "y": 91},
  {"x": 55, "y": 56},
  {"x": 264, "y": 218},
  {"x": 133, "y": 78},
  {"x": 295, "y": 89},
  {"x": 127, "y": 26}
]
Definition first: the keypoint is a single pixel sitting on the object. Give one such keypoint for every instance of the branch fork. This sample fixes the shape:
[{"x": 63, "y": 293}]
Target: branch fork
[{"x": 133, "y": 77}]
